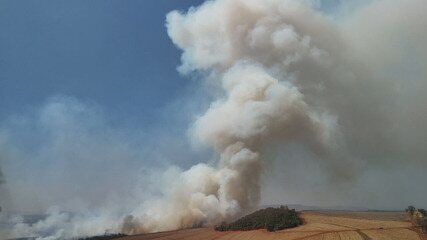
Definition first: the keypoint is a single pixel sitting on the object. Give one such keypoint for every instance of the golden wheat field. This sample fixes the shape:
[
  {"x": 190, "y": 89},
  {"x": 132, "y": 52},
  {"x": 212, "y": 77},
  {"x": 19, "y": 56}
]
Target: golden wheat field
[{"x": 318, "y": 226}]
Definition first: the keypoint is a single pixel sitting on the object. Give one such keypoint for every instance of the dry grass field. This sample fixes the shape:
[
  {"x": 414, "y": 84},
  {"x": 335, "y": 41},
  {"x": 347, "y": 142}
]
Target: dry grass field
[{"x": 318, "y": 226}]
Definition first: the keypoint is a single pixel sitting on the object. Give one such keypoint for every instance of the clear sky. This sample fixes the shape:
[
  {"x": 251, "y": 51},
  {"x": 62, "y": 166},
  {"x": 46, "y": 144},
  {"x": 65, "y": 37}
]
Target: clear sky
[{"x": 114, "y": 53}]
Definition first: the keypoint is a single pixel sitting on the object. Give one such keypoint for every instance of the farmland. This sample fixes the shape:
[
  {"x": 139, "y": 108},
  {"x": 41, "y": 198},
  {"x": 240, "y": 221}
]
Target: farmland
[{"x": 318, "y": 225}]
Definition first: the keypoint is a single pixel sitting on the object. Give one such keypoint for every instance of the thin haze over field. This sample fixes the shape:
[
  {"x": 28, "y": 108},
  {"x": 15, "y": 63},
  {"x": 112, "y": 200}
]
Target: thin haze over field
[{"x": 305, "y": 107}]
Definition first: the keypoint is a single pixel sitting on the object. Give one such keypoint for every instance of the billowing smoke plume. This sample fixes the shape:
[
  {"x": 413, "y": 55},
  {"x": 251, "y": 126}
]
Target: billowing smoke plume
[
  {"x": 257, "y": 109},
  {"x": 291, "y": 75},
  {"x": 259, "y": 105},
  {"x": 349, "y": 95}
]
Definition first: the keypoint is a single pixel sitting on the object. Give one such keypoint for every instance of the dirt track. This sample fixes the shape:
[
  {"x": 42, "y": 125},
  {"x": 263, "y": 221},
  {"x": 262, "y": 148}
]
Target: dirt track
[{"x": 319, "y": 225}]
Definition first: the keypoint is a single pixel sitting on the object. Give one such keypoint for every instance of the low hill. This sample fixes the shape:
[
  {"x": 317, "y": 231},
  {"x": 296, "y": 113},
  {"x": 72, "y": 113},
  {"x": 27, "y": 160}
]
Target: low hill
[{"x": 272, "y": 219}]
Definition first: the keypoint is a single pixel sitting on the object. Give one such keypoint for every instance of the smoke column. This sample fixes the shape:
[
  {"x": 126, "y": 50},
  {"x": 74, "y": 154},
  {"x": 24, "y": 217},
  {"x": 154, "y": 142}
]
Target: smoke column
[
  {"x": 288, "y": 74},
  {"x": 257, "y": 108},
  {"x": 250, "y": 48}
]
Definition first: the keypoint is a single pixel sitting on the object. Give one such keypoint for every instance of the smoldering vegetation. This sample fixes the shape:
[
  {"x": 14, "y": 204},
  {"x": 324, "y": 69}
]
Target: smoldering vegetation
[{"x": 335, "y": 102}]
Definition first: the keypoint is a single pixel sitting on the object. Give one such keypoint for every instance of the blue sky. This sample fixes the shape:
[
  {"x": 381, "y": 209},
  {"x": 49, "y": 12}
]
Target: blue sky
[
  {"x": 115, "y": 68},
  {"x": 93, "y": 84},
  {"x": 114, "y": 53},
  {"x": 89, "y": 85}
]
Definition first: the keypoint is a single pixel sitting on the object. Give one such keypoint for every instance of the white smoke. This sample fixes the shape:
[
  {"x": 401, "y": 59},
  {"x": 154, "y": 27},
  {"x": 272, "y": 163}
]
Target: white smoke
[
  {"x": 257, "y": 108},
  {"x": 350, "y": 94},
  {"x": 290, "y": 74},
  {"x": 251, "y": 54}
]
